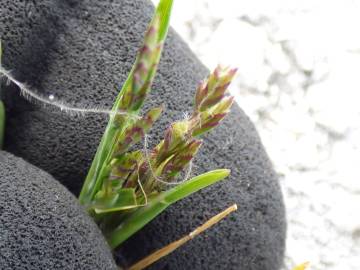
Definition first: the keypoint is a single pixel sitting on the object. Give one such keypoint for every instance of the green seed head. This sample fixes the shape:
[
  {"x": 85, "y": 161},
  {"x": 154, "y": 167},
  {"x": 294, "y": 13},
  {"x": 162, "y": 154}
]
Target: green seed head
[{"x": 212, "y": 90}]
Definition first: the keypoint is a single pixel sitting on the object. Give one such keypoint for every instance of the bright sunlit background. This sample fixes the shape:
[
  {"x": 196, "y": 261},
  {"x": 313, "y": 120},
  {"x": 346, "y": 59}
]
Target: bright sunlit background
[{"x": 299, "y": 81}]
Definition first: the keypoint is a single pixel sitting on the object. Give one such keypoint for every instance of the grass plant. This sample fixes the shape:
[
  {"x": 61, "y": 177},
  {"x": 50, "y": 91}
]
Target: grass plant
[{"x": 125, "y": 188}]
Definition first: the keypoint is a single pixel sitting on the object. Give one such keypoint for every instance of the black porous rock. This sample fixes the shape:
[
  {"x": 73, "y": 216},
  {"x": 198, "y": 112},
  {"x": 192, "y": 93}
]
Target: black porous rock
[
  {"x": 41, "y": 224},
  {"x": 81, "y": 52}
]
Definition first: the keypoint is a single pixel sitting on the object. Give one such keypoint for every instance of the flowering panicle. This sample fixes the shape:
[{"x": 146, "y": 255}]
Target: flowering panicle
[
  {"x": 211, "y": 91},
  {"x": 180, "y": 145},
  {"x": 144, "y": 69},
  {"x": 136, "y": 131},
  {"x": 181, "y": 159}
]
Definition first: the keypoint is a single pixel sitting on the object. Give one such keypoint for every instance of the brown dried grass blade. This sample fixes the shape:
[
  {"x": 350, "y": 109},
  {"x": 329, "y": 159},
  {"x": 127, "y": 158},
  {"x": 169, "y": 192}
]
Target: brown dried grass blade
[{"x": 157, "y": 255}]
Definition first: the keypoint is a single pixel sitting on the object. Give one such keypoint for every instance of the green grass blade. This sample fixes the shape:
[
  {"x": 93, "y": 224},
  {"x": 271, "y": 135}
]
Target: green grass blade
[
  {"x": 164, "y": 11},
  {"x": 195, "y": 184},
  {"x": 93, "y": 182},
  {"x": 139, "y": 218}
]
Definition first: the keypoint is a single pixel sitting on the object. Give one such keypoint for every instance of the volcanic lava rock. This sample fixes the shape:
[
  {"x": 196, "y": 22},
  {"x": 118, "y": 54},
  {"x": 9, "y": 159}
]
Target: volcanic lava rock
[
  {"x": 81, "y": 52},
  {"x": 42, "y": 226}
]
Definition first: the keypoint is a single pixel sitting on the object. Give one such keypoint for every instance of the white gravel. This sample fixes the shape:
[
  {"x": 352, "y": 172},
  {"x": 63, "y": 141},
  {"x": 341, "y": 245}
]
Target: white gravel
[{"x": 299, "y": 81}]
